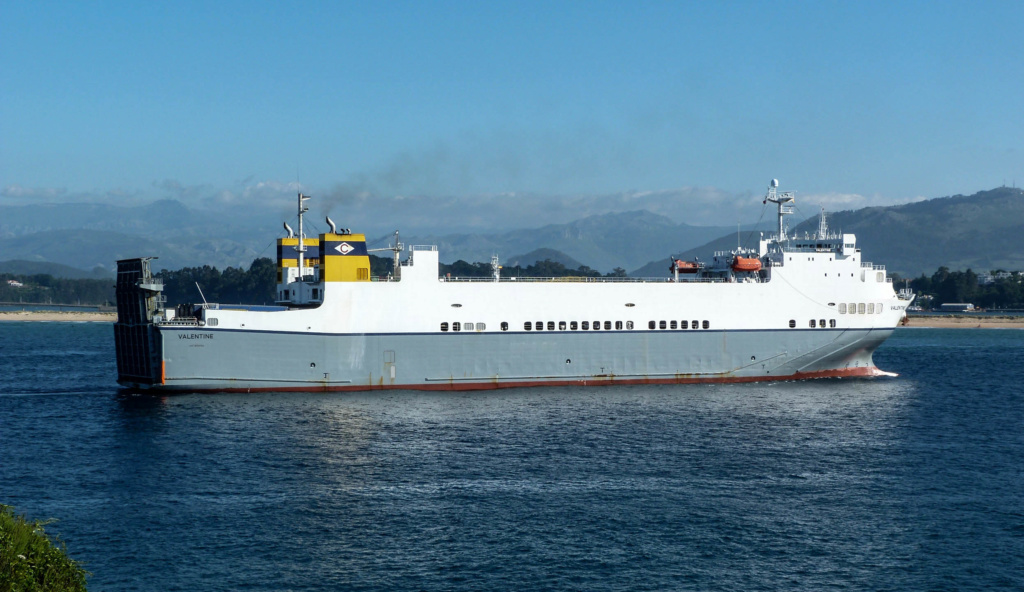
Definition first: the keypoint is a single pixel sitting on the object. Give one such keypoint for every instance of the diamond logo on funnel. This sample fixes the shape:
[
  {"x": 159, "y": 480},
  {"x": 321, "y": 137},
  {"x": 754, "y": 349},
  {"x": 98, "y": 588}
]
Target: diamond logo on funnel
[{"x": 344, "y": 248}]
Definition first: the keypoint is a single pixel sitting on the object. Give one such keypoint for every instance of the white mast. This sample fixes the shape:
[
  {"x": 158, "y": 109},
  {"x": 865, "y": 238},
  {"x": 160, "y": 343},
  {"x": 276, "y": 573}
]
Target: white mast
[
  {"x": 785, "y": 202},
  {"x": 301, "y": 248}
]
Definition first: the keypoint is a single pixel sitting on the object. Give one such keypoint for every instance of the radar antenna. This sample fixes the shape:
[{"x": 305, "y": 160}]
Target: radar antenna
[{"x": 785, "y": 203}]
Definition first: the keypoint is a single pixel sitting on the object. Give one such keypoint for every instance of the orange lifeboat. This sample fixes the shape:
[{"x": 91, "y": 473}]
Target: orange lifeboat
[
  {"x": 685, "y": 266},
  {"x": 746, "y": 264}
]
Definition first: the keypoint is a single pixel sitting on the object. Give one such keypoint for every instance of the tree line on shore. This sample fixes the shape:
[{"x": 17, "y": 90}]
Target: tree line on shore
[{"x": 1006, "y": 290}]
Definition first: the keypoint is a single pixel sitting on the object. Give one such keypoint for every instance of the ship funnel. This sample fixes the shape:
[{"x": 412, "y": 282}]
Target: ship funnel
[
  {"x": 291, "y": 233},
  {"x": 334, "y": 229}
]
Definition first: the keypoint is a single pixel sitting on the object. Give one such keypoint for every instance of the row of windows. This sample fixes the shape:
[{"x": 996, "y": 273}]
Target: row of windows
[
  {"x": 820, "y": 323},
  {"x": 583, "y": 325},
  {"x": 679, "y": 324},
  {"x": 574, "y": 326},
  {"x": 860, "y": 308},
  {"x": 457, "y": 326}
]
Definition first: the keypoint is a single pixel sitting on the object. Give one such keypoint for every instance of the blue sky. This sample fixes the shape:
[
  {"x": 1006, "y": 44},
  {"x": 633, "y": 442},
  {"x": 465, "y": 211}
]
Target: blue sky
[{"x": 850, "y": 103}]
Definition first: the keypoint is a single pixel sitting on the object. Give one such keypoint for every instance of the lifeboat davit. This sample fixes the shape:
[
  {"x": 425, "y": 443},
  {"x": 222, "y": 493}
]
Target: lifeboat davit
[
  {"x": 685, "y": 266},
  {"x": 746, "y": 264}
]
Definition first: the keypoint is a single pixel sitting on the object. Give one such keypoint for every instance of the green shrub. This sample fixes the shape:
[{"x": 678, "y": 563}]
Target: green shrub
[{"x": 30, "y": 560}]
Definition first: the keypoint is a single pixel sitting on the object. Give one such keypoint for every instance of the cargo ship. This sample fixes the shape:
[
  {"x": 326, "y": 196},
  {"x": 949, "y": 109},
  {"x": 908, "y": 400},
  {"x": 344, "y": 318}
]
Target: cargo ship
[{"x": 797, "y": 307}]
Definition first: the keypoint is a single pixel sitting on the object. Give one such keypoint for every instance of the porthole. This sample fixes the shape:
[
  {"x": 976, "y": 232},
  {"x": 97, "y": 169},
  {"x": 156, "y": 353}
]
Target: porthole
[
  {"x": 504, "y": 326},
  {"x": 673, "y": 325},
  {"x": 551, "y": 325},
  {"x": 651, "y": 324},
  {"x": 821, "y": 323},
  {"x": 561, "y": 325},
  {"x": 444, "y": 326},
  {"x": 811, "y": 324},
  {"x": 585, "y": 325},
  {"x": 573, "y": 325},
  {"x": 629, "y": 325},
  {"x": 528, "y": 326},
  {"x": 694, "y": 324},
  {"x": 539, "y": 325},
  {"x": 597, "y": 325},
  {"x": 684, "y": 324},
  {"x": 607, "y": 325},
  {"x": 456, "y": 327},
  {"x": 662, "y": 325},
  {"x": 707, "y": 325},
  {"x": 618, "y": 325},
  {"x": 832, "y": 323},
  {"x": 792, "y": 324}
]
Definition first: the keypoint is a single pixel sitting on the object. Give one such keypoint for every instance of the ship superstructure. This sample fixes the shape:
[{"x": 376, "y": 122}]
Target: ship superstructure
[{"x": 797, "y": 307}]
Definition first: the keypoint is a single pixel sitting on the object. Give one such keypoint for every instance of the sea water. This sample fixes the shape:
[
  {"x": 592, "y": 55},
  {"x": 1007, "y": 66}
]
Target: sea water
[{"x": 909, "y": 483}]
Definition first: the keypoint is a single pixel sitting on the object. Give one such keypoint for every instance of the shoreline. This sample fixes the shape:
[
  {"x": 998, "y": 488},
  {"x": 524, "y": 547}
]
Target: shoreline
[
  {"x": 954, "y": 321},
  {"x": 57, "y": 316}
]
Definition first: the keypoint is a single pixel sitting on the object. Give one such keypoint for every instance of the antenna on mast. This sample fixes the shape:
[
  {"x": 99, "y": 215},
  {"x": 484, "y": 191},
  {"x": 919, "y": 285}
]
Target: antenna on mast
[
  {"x": 785, "y": 203},
  {"x": 301, "y": 247}
]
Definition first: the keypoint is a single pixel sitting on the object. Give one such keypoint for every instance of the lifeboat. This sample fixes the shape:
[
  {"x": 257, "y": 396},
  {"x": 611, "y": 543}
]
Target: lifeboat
[
  {"x": 684, "y": 266},
  {"x": 746, "y": 264}
]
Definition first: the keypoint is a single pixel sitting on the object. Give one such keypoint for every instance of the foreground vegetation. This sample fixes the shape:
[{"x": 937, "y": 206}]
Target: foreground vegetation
[
  {"x": 30, "y": 560},
  {"x": 945, "y": 286},
  {"x": 43, "y": 288}
]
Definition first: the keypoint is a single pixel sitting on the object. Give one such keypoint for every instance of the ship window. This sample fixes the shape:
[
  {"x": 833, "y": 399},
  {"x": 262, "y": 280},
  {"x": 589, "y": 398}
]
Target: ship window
[
  {"x": 792, "y": 323},
  {"x": 694, "y": 324},
  {"x": 456, "y": 327},
  {"x": 821, "y": 323},
  {"x": 650, "y": 324},
  {"x": 832, "y": 323},
  {"x": 444, "y": 326},
  {"x": 707, "y": 325},
  {"x": 504, "y": 325},
  {"x": 561, "y": 325},
  {"x": 607, "y": 325},
  {"x": 618, "y": 325},
  {"x": 673, "y": 325},
  {"x": 597, "y": 325},
  {"x": 853, "y": 308},
  {"x": 629, "y": 325},
  {"x": 871, "y": 308},
  {"x": 539, "y": 325},
  {"x": 481, "y": 327},
  {"x": 878, "y": 308},
  {"x": 469, "y": 326},
  {"x": 551, "y": 325},
  {"x": 211, "y": 322},
  {"x": 573, "y": 325},
  {"x": 811, "y": 324},
  {"x": 662, "y": 325},
  {"x": 860, "y": 308},
  {"x": 585, "y": 325},
  {"x": 528, "y": 326},
  {"x": 684, "y": 324},
  {"x": 842, "y": 308},
  {"x": 315, "y": 293}
]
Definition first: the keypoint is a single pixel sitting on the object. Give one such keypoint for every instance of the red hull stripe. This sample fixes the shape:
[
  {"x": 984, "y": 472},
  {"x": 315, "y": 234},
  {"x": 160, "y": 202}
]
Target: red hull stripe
[{"x": 866, "y": 372}]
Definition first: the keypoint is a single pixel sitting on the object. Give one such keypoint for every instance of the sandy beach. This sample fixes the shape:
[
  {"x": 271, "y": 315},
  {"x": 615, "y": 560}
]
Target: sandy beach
[
  {"x": 53, "y": 315},
  {"x": 965, "y": 322}
]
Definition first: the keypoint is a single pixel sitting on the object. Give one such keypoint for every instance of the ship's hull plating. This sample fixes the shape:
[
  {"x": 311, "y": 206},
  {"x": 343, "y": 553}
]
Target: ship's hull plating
[{"x": 199, "y": 359}]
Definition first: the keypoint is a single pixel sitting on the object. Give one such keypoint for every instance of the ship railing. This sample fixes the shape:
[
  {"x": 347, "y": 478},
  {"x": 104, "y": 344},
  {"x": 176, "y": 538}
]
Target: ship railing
[
  {"x": 597, "y": 280},
  {"x": 869, "y": 265},
  {"x": 423, "y": 248}
]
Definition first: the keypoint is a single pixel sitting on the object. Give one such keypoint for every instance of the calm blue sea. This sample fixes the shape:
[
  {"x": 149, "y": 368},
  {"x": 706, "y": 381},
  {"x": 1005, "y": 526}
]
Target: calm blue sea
[{"x": 912, "y": 483}]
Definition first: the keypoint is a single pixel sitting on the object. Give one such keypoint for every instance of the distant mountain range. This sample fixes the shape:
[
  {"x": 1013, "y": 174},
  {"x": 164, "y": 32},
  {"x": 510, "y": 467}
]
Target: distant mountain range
[{"x": 983, "y": 231}]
